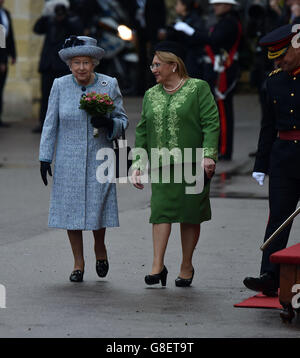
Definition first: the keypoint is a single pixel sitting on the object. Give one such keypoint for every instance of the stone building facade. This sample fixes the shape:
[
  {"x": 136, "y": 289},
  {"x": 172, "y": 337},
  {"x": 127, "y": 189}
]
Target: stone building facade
[{"x": 22, "y": 91}]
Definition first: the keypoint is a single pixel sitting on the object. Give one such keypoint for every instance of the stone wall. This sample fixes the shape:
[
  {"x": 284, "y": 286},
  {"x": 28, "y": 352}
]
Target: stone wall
[{"x": 22, "y": 91}]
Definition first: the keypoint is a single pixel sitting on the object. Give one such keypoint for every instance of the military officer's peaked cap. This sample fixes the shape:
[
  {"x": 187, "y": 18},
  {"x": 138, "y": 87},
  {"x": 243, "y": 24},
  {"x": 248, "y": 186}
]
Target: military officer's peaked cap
[{"x": 279, "y": 40}]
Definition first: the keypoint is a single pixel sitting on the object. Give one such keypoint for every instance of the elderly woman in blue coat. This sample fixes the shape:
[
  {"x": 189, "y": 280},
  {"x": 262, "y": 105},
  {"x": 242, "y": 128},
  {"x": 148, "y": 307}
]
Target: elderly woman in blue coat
[{"x": 78, "y": 201}]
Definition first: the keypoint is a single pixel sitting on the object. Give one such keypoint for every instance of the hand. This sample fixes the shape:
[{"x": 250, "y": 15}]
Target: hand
[
  {"x": 2, "y": 67},
  {"x": 45, "y": 167},
  {"x": 209, "y": 166},
  {"x": 136, "y": 179},
  {"x": 259, "y": 177},
  {"x": 182, "y": 26},
  {"x": 99, "y": 122}
]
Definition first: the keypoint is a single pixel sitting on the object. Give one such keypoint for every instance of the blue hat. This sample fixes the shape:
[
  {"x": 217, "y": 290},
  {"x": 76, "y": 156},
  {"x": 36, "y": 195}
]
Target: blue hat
[
  {"x": 80, "y": 46},
  {"x": 278, "y": 41}
]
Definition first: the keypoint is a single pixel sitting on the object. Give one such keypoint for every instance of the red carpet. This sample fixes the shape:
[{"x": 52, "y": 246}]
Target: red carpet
[{"x": 260, "y": 301}]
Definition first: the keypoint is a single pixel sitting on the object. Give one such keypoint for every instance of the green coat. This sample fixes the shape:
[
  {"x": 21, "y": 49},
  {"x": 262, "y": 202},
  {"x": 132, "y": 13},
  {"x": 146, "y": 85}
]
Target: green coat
[{"x": 186, "y": 119}]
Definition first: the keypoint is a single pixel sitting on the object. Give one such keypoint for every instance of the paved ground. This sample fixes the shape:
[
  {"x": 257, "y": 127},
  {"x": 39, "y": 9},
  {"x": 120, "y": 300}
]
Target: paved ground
[{"x": 36, "y": 261}]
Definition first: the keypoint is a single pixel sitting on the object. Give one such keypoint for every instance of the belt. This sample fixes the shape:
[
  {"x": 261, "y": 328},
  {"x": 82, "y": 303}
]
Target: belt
[{"x": 289, "y": 135}]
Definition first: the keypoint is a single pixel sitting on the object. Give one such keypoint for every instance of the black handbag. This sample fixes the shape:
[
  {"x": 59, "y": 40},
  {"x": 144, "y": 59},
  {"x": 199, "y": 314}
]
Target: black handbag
[{"x": 122, "y": 153}]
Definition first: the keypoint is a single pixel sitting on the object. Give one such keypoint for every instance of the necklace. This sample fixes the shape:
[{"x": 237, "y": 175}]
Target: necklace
[{"x": 173, "y": 89}]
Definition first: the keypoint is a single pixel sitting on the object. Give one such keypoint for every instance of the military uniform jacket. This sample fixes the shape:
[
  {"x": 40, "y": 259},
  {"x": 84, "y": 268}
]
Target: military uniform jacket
[
  {"x": 224, "y": 33},
  {"x": 278, "y": 157},
  {"x": 221, "y": 38}
]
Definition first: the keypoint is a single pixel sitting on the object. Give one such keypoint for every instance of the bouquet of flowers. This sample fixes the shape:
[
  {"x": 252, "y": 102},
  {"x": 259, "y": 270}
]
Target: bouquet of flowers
[{"x": 96, "y": 105}]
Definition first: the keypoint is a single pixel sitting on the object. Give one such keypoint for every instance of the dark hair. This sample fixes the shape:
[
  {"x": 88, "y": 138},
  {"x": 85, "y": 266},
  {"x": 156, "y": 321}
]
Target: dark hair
[{"x": 189, "y": 4}]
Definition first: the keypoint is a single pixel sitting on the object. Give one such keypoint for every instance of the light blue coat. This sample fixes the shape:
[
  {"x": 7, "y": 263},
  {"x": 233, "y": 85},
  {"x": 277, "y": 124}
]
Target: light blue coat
[{"x": 78, "y": 201}]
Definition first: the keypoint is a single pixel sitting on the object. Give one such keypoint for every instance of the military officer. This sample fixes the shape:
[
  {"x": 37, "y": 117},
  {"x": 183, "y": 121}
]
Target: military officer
[
  {"x": 279, "y": 148},
  {"x": 221, "y": 68}
]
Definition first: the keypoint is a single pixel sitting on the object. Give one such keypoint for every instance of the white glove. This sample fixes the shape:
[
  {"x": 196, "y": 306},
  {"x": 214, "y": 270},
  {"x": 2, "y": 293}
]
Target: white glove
[
  {"x": 182, "y": 26},
  {"x": 218, "y": 67},
  {"x": 259, "y": 177}
]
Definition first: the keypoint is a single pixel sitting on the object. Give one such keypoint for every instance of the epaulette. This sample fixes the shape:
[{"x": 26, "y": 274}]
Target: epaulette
[{"x": 275, "y": 71}]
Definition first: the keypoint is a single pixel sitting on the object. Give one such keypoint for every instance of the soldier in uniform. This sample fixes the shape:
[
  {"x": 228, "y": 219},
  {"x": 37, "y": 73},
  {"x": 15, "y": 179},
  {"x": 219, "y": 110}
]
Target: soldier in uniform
[
  {"x": 221, "y": 67},
  {"x": 279, "y": 148},
  {"x": 221, "y": 70}
]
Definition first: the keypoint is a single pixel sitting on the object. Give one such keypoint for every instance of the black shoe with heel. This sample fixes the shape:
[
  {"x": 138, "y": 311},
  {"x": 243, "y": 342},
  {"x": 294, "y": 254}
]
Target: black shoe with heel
[
  {"x": 76, "y": 276},
  {"x": 102, "y": 267},
  {"x": 154, "y": 279},
  {"x": 184, "y": 282}
]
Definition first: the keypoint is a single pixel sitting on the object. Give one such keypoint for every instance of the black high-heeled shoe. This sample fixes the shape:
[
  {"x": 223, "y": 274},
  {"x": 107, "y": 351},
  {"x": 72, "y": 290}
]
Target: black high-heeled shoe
[
  {"x": 184, "y": 282},
  {"x": 154, "y": 279},
  {"x": 76, "y": 276},
  {"x": 102, "y": 267}
]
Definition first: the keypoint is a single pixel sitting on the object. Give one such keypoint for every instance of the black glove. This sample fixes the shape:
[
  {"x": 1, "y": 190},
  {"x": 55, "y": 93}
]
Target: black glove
[
  {"x": 45, "y": 167},
  {"x": 99, "y": 122}
]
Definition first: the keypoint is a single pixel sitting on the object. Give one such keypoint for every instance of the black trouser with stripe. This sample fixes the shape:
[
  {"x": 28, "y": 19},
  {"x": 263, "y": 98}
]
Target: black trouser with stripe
[
  {"x": 284, "y": 194},
  {"x": 226, "y": 114},
  {"x": 225, "y": 106}
]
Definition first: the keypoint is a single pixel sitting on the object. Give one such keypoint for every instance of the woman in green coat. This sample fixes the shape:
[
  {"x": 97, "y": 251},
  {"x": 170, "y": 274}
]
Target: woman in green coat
[{"x": 178, "y": 113}]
